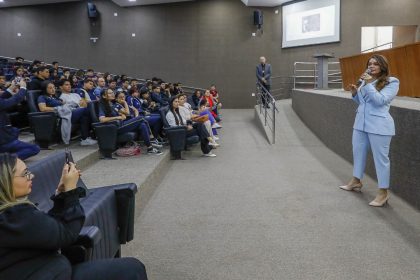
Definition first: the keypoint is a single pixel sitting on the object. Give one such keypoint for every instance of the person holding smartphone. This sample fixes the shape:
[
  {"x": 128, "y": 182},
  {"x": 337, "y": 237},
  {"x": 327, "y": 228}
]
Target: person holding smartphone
[
  {"x": 31, "y": 240},
  {"x": 9, "y": 141},
  {"x": 374, "y": 126}
]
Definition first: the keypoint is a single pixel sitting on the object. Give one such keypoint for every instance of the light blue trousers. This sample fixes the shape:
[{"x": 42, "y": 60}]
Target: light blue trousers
[{"x": 379, "y": 144}]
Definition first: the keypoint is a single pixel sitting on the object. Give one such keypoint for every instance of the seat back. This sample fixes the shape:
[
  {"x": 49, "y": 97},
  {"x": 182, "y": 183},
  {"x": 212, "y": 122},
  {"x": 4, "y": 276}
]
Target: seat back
[
  {"x": 47, "y": 173},
  {"x": 93, "y": 108},
  {"x": 163, "y": 111},
  {"x": 32, "y": 98}
]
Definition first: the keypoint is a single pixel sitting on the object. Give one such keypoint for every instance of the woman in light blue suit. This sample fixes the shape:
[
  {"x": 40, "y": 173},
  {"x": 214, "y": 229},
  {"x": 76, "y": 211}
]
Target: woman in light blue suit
[{"x": 373, "y": 127}]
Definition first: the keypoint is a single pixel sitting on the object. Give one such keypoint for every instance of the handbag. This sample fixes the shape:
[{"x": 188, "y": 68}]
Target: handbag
[
  {"x": 8, "y": 134},
  {"x": 130, "y": 149},
  {"x": 202, "y": 119}
]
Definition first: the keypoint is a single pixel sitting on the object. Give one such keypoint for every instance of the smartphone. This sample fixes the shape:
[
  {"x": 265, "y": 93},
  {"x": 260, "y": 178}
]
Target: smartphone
[{"x": 67, "y": 157}]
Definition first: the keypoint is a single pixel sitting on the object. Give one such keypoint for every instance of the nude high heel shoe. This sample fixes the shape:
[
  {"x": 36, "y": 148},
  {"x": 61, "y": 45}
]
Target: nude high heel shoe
[
  {"x": 352, "y": 187},
  {"x": 381, "y": 198}
]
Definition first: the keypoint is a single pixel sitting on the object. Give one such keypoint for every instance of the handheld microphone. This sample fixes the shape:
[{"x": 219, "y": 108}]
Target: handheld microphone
[{"x": 360, "y": 81}]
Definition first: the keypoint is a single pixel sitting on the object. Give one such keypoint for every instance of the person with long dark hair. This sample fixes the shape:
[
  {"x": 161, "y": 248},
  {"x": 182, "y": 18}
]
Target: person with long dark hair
[
  {"x": 110, "y": 111},
  {"x": 374, "y": 126},
  {"x": 31, "y": 239},
  {"x": 174, "y": 118}
]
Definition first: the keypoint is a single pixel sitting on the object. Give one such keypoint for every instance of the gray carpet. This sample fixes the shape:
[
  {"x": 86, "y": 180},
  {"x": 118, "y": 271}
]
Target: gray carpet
[{"x": 272, "y": 212}]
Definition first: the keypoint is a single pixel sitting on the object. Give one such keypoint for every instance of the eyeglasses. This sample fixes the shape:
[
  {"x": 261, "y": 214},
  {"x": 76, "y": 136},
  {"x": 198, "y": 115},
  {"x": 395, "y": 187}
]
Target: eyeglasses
[{"x": 27, "y": 174}]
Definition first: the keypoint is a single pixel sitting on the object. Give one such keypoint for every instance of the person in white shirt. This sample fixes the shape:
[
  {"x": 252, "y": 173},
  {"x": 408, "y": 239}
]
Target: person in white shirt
[
  {"x": 186, "y": 112},
  {"x": 174, "y": 118},
  {"x": 79, "y": 113}
]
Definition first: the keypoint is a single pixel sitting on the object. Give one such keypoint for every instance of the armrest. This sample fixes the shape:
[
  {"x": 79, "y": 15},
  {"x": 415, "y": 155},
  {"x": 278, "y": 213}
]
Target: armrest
[
  {"x": 35, "y": 114},
  {"x": 89, "y": 236},
  {"x": 105, "y": 124},
  {"x": 81, "y": 251},
  {"x": 125, "y": 197}
]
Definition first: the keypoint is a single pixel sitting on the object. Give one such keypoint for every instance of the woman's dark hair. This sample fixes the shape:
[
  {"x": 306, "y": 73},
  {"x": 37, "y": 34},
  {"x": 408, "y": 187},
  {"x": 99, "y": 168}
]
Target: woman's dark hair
[
  {"x": 178, "y": 118},
  {"x": 197, "y": 91},
  {"x": 203, "y": 102},
  {"x": 383, "y": 78},
  {"x": 44, "y": 87},
  {"x": 105, "y": 103},
  {"x": 132, "y": 90}
]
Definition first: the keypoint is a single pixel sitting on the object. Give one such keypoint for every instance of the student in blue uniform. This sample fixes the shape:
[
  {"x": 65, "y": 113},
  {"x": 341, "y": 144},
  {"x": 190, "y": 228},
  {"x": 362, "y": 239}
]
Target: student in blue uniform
[
  {"x": 109, "y": 110},
  {"x": 136, "y": 109},
  {"x": 373, "y": 127},
  {"x": 80, "y": 115},
  {"x": 9, "y": 141}
]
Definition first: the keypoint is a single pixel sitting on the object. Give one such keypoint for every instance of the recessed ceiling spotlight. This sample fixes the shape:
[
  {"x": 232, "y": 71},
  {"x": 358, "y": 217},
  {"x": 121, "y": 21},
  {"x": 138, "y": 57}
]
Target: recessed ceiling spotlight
[{"x": 132, "y": 0}]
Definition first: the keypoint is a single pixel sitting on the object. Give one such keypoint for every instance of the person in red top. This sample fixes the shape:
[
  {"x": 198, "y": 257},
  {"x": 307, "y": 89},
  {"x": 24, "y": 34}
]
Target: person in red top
[
  {"x": 212, "y": 104},
  {"x": 215, "y": 94}
]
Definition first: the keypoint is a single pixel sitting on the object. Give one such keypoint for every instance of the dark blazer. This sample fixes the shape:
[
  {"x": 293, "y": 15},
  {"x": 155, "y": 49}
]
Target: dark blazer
[
  {"x": 30, "y": 239},
  {"x": 267, "y": 73}
]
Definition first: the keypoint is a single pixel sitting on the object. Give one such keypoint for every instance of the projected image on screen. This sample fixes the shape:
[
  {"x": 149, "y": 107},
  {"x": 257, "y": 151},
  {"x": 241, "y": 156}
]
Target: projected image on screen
[{"x": 311, "y": 22}]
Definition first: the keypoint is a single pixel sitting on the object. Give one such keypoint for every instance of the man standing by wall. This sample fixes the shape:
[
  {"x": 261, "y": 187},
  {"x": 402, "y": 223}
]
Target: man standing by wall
[{"x": 264, "y": 77}]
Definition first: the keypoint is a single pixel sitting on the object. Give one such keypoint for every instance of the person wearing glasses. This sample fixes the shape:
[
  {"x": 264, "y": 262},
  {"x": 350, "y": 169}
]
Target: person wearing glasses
[{"x": 31, "y": 240}]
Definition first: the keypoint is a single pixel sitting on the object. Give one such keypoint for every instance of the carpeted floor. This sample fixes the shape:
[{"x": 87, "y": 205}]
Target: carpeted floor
[{"x": 272, "y": 212}]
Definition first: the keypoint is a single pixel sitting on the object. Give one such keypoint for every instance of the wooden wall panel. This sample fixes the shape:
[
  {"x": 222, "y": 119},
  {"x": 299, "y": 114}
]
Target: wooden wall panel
[{"x": 404, "y": 63}]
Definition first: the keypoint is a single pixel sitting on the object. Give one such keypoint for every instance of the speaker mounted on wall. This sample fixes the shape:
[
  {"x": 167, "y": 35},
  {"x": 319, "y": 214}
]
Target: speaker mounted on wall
[
  {"x": 258, "y": 18},
  {"x": 92, "y": 11}
]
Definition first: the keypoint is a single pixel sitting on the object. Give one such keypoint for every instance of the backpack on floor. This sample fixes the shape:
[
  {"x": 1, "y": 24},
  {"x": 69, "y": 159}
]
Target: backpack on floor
[{"x": 130, "y": 149}]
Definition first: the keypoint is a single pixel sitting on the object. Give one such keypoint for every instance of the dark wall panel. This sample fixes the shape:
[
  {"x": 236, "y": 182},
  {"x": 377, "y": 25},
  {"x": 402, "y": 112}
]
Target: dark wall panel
[{"x": 198, "y": 43}]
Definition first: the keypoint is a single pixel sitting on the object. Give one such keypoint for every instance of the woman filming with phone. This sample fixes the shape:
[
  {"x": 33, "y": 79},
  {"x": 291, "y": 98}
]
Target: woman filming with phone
[
  {"x": 374, "y": 126},
  {"x": 31, "y": 240}
]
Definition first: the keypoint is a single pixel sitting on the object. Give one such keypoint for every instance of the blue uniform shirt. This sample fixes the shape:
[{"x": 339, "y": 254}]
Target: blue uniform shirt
[{"x": 50, "y": 101}]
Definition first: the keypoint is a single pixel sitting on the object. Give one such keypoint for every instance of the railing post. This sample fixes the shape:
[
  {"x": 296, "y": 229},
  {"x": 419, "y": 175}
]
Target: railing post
[
  {"x": 265, "y": 115},
  {"x": 274, "y": 121}
]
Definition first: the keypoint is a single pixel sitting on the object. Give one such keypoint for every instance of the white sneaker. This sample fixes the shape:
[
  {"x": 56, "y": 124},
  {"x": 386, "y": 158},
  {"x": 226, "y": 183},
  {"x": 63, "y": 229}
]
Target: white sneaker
[
  {"x": 214, "y": 144},
  {"x": 209, "y": 155},
  {"x": 215, "y": 138},
  {"x": 216, "y": 125},
  {"x": 88, "y": 142}
]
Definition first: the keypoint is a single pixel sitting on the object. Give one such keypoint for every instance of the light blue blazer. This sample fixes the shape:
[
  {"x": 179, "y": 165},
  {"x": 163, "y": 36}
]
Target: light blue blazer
[{"x": 373, "y": 111}]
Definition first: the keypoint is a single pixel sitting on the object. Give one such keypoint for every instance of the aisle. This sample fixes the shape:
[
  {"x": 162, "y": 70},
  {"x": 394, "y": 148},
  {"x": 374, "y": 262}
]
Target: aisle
[{"x": 271, "y": 212}]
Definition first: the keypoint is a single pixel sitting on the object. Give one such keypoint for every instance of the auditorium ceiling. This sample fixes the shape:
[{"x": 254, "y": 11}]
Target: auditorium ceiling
[{"x": 127, "y": 3}]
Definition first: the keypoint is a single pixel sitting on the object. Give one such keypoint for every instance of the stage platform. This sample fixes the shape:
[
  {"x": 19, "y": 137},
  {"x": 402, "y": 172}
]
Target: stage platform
[{"x": 330, "y": 114}]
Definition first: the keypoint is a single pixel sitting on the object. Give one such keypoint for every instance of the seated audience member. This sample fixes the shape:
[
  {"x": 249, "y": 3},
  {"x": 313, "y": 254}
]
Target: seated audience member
[
  {"x": 174, "y": 118},
  {"x": 66, "y": 74},
  {"x": 147, "y": 103},
  {"x": 86, "y": 92},
  {"x": 156, "y": 97},
  {"x": 35, "y": 64},
  {"x": 2, "y": 84},
  {"x": 214, "y": 93},
  {"x": 108, "y": 78},
  {"x": 196, "y": 97},
  {"x": 99, "y": 88},
  {"x": 42, "y": 75},
  {"x": 136, "y": 109},
  {"x": 165, "y": 94},
  {"x": 48, "y": 102},
  {"x": 19, "y": 59},
  {"x": 19, "y": 73},
  {"x": 212, "y": 104},
  {"x": 125, "y": 85},
  {"x": 31, "y": 240},
  {"x": 109, "y": 111},
  {"x": 188, "y": 115},
  {"x": 90, "y": 73},
  {"x": 113, "y": 85},
  {"x": 9, "y": 141}
]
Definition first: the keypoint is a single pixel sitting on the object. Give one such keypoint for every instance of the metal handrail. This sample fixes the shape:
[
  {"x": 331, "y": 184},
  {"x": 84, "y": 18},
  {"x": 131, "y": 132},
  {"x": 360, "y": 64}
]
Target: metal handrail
[
  {"x": 314, "y": 73},
  {"x": 264, "y": 108},
  {"x": 378, "y": 46}
]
